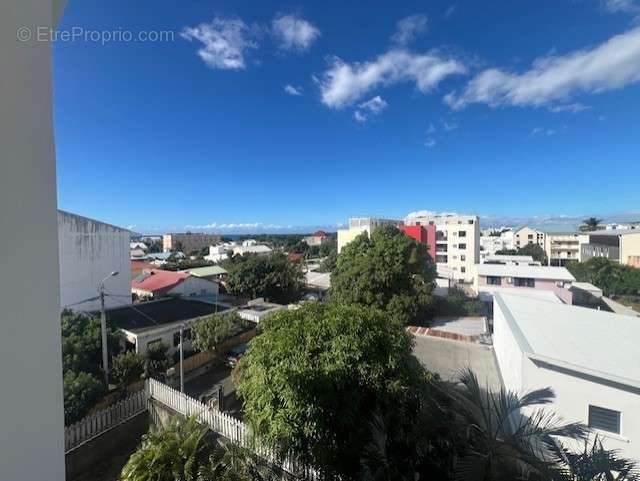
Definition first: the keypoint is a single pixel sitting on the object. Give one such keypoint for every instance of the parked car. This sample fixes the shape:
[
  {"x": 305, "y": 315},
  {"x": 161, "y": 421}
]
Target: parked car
[{"x": 235, "y": 354}]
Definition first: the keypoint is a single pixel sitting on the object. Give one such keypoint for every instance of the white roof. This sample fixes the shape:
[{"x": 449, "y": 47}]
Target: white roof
[
  {"x": 318, "y": 279},
  {"x": 588, "y": 287},
  {"x": 509, "y": 258},
  {"x": 591, "y": 342},
  {"x": 254, "y": 249},
  {"x": 534, "y": 272},
  {"x": 486, "y": 292}
]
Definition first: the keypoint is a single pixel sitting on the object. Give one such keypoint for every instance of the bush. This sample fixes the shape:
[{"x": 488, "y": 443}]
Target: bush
[
  {"x": 81, "y": 392},
  {"x": 156, "y": 361},
  {"x": 457, "y": 303},
  {"x": 212, "y": 331},
  {"x": 127, "y": 368}
]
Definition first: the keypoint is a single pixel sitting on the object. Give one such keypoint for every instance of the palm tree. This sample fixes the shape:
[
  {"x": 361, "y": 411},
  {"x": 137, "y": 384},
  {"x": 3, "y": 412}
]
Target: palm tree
[
  {"x": 498, "y": 441},
  {"x": 171, "y": 453},
  {"x": 595, "y": 463},
  {"x": 231, "y": 462},
  {"x": 590, "y": 224}
]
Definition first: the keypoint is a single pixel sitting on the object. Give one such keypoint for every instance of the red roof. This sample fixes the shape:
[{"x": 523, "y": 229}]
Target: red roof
[
  {"x": 319, "y": 233},
  {"x": 158, "y": 280}
]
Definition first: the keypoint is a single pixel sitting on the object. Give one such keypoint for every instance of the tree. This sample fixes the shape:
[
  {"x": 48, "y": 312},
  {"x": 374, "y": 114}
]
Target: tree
[
  {"x": 497, "y": 442},
  {"x": 328, "y": 264},
  {"x": 171, "y": 453},
  {"x": 613, "y": 278},
  {"x": 389, "y": 271},
  {"x": 535, "y": 251},
  {"x": 127, "y": 368},
  {"x": 156, "y": 361},
  {"x": 210, "y": 332},
  {"x": 595, "y": 463},
  {"x": 315, "y": 378},
  {"x": 590, "y": 224},
  {"x": 231, "y": 462},
  {"x": 81, "y": 392},
  {"x": 273, "y": 277}
]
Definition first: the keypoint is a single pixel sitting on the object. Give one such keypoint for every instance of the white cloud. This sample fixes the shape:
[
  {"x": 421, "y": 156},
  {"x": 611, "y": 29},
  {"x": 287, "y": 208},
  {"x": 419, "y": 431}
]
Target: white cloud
[
  {"x": 449, "y": 126},
  {"x": 342, "y": 84},
  {"x": 538, "y": 131},
  {"x": 225, "y": 42},
  {"x": 294, "y": 33},
  {"x": 371, "y": 107},
  {"x": 431, "y": 129},
  {"x": 291, "y": 90},
  {"x": 450, "y": 11},
  {"x": 574, "y": 108},
  {"x": 611, "y": 65},
  {"x": 409, "y": 28},
  {"x": 430, "y": 143},
  {"x": 628, "y": 6}
]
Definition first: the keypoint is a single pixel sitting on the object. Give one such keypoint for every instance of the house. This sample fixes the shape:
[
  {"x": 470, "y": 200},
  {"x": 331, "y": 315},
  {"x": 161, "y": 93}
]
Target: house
[
  {"x": 90, "y": 250},
  {"x": 258, "y": 309},
  {"x": 588, "y": 357},
  {"x": 158, "y": 283},
  {"x": 137, "y": 254},
  {"x": 318, "y": 238},
  {"x": 526, "y": 235},
  {"x": 161, "y": 258},
  {"x": 139, "y": 265},
  {"x": 617, "y": 245},
  {"x": 210, "y": 273},
  {"x": 260, "y": 250},
  {"x": 138, "y": 245},
  {"x": 188, "y": 242},
  {"x": 218, "y": 253},
  {"x": 160, "y": 321},
  {"x": 492, "y": 278}
]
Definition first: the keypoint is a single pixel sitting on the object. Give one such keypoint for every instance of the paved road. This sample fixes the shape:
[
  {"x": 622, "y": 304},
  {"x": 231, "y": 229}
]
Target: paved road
[{"x": 447, "y": 358}]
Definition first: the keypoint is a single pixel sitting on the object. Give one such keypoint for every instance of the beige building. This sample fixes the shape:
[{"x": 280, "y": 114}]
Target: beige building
[
  {"x": 358, "y": 225},
  {"x": 457, "y": 243},
  {"x": 526, "y": 235},
  {"x": 621, "y": 246},
  {"x": 562, "y": 248},
  {"x": 188, "y": 242}
]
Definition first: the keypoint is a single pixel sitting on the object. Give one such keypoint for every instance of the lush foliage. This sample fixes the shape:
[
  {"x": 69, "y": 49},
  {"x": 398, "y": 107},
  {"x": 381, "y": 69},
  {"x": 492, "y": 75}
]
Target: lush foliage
[
  {"x": 182, "y": 264},
  {"x": 457, "y": 303},
  {"x": 534, "y": 250},
  {"x": 614, "y": 279},
  {"x": 82, "y": 343},
  {"x": 329, "y": 263},
  {"x": 81, "y": 392},
  {"x": 389, "y": 271},
  {"x": 171, "y": 453},
  {"x": 273, "y": 277},
  {"x": 156, "y": 361},
  {"x": 230, "y": 462},
  {"x": 317, "y": 376},
  {"x": 595, "y": 463},
  {"x": 127, "y": 368},
  {"x": 209, "y": 332}
]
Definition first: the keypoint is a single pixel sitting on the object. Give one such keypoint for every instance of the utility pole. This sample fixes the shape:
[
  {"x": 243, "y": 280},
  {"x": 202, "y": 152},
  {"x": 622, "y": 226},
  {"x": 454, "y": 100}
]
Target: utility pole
[
  {"x": 181, "y": 358},
  {"x": 103, "y": 328}
]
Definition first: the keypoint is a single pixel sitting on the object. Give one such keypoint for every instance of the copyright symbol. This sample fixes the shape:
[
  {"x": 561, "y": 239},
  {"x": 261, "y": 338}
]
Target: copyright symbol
[{"x": 23, "y": 34}]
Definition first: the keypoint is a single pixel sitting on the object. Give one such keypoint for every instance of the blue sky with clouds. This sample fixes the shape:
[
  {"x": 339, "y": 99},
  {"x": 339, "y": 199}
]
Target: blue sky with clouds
[{"x": 270, "y": 114}]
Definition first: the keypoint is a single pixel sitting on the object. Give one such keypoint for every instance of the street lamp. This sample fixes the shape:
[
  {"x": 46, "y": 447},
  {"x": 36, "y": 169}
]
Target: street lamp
[{"x": 103, "y": 328}]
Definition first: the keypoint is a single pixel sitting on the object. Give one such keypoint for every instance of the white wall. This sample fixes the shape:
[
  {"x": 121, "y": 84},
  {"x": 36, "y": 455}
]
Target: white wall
[
  {"x": 89, "y": 251},
  {"x": 31, "y": 414},
  {"x": 194, "y": 286},
  {"x": 508, "y": 353}
]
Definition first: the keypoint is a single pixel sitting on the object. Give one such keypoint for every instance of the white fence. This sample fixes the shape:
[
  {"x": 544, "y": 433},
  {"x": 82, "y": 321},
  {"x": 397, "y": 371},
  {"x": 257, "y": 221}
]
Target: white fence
[
  {"x": 95, "y": 424},
  {"x": 223, "y": 424}
]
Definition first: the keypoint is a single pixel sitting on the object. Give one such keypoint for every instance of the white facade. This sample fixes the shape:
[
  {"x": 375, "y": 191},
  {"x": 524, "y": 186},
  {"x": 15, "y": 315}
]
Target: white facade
[
  {"x": 457, "y": 242},
  {"x": 252, "y": 249},
  {"x": 490, "y": 244},
  {"x": 562, "y": 248},
  {"x": 89, "y": 251},
  {"x": 217, "y": 253},
  {"x": 31, "y": 418},
  {"x": 526, "y": 235},
  {"x": 575, "y": 351},
  {"x": 192, "y": 286},
  {"x": 358, "y": 225}
]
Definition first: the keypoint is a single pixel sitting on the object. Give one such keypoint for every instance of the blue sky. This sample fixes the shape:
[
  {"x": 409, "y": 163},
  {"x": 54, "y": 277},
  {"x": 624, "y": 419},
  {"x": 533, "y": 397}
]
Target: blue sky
[{"x": 276, "y": 114}]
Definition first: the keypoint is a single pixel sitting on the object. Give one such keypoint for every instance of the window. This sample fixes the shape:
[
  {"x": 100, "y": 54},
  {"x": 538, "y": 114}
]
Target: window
[
  {"x": 463, "y": 269},
  {"x": 604, "y": 419},
  {"x": 462, "y": 233},
  {"x": 463, "y": 258},
  {"x": 462, "y": 246},
  {"x": 524, "y": 282},
  {"x": 530, "y": 236},
  {"x": 494, "y": 280}
]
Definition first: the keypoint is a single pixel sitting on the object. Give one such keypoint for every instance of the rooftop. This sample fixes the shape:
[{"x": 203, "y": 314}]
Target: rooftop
[
  {"x": 206, "y": 271},
  {"x": 320, "y": 280},
  {"x": 613, "y": 232},
  {"x": 591, "y": 342},
  {"x": 157, "y": 279},
  {"x": 508, "y": 258},
  {"x": 140, "y": 317},
  {"x": 534, "y": 272}
]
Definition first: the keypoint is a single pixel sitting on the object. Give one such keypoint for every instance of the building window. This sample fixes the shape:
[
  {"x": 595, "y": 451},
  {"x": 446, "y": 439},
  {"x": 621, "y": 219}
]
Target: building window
[
  {"x": 462, "y": 233},
  {"x": 494, "y": 280},
  {"x": 524, "y": 282},
  {"x": 463, "y": 269},
  {"x": 530, "y": 236},
  {"x": 604, "y": 419},
  {"x": 462, "y": 246},
  {"x": 463, "y": 258}
]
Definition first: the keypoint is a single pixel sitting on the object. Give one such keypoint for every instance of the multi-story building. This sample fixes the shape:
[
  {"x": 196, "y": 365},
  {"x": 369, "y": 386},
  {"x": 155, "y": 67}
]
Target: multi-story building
[
  {"x": 621, "y": 246},
  {"x": 358, "y": 225},
  {"x": 317, "y": 238},
  {"x": 491, "y": 243},
  {"x": 561, "y": 248},
  {"x": 526, "y": 235},
  {"x": 188, "y": 242},
  {"x": 423, "y": 234},
  {"x": 90, "y": 250},
  {"x": 457, "y": 243}
]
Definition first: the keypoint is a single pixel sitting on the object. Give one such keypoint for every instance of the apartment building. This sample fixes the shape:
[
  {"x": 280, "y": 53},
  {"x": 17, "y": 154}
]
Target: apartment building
[
  {"x": 526, "y": 235},
  {"x": 457, "y": 243},
  {"x": 188, "y": 241},
  {"x": 358, "y": 225},
  {"x": 491, "y": 243},
  {"x": 561, "y": 248},
  {"x": 621, "y": 246}
]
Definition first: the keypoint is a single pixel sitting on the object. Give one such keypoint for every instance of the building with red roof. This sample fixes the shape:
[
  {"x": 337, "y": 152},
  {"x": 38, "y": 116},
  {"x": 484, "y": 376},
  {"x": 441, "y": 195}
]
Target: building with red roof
[{"x": 156, "y": 283}]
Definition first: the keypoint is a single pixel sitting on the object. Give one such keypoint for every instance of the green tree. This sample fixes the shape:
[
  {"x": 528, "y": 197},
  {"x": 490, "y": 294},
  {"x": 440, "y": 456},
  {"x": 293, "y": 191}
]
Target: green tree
[
  {"x": 171, "y": 453},
  {"x": 81, "y": 392},
  {"x": 590, "y": 224},
  {"x": 613, "y": 278},
  {"x": 329, "y": 263},
  {"x": 535, "y": 251},
  {"x": 389, "y": 271},
  {"x": 156, "y": 361},
  {"x": 82, "y": 343},
  {"x": 127, "y": 368},
  {"x": 273, "y": 277},
  {"x": 315, "y": 378},
  {"x": 595, "y": 463},
  {"x": 211, "y": 331}
]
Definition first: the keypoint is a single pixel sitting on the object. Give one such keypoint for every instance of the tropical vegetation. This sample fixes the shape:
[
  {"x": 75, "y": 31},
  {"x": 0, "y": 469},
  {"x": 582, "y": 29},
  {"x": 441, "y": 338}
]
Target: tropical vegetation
[
  {"x": 211, "y": 331},
  {"x": 613, "y": 278}
]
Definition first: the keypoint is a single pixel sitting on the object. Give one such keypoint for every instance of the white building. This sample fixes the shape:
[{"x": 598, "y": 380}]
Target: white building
[
  {"x": 217, "y": 253},
  {"x": 358, "y": 225},
  {"x": 457, "y": 242},
  {"x": 260, "y": 250},
  {"x": 490, "y": 244},
  {"x": 89, "y": 251},
  {"x": 31, "y": 418},
  {"x": 157, "y": 283},
  {"x": 510, "y": 259},
  {"x": 621, "y": 246},
  {"x": 526, "y": 235},
  {"x": 588, "y": 357},
  {"x": 561, "y": 248},
  {"x": 258, "y": 309}
]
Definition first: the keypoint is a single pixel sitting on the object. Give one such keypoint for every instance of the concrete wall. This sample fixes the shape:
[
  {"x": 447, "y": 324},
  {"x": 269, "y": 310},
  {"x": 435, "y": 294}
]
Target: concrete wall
[
  {"x": 508, "y": 353},
  {"x": 31, "y": 418},
  {"x": 630, "y": 249},
  {"x": 347, "y": 235},
  {"x": 195, "y": 286},
  {"x": 89, "y": 251},
  {"x": 541, "y": 284}
]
